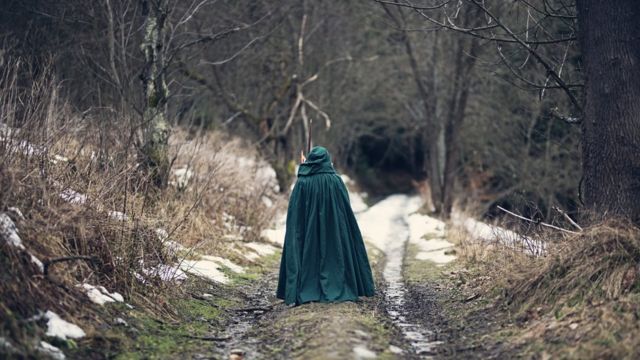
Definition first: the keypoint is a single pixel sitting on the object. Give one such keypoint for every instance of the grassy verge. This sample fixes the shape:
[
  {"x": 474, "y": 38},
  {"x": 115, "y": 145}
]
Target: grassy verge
[
  {"x": 579, "y": 302},
  {"x": 194, "y": 316}
]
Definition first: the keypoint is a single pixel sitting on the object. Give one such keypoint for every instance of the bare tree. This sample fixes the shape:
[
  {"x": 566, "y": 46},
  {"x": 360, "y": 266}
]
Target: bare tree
[
  {"x": 155, "y": 150},
  {"x": 444, "y": 109},
  {"x": 609, "y": 117}
]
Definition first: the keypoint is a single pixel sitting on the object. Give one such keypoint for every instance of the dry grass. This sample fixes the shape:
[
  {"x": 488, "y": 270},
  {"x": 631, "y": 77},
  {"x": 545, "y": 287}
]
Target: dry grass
[
  {"x": 48, "y": 150},
  {"x": 601, "y": 264},
  {"x": 580, "y": 300}
]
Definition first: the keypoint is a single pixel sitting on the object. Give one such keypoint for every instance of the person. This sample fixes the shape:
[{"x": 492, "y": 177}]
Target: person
[{"x": 324, "y": 258}]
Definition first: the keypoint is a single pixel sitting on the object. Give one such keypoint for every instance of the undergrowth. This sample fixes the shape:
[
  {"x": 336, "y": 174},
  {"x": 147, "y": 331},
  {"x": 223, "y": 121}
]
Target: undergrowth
[
  {"x": 71, "y": 184},
  {"x": 581, "y": 299}
]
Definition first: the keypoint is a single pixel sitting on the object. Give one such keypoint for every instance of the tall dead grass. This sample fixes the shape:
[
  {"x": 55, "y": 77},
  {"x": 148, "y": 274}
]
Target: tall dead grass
[
  {"x": 583, "y": 294},
  {"x": 89, "y": 212},
  {"x": 600, "y": 264}
]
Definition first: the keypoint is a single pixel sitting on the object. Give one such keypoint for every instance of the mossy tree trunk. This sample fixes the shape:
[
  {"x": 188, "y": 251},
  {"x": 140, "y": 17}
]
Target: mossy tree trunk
[{"x": 155, "y": 151}]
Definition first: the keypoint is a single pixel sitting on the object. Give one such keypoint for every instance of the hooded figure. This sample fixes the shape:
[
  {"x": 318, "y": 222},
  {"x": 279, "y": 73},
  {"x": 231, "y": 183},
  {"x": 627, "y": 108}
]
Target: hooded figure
[{"x": 324, "y": 258}]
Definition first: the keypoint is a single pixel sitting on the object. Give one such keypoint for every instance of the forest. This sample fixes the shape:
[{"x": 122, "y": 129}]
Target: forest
[{"x": 149, "y": 149}]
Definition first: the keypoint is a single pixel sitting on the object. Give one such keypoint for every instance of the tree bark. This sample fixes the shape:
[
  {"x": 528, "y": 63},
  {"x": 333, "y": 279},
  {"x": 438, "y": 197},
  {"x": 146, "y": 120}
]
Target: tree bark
[
  {"x": 155, "y": 151},
  {"x": 610, "y": 44},
  {"x": 457, "y": 107}
]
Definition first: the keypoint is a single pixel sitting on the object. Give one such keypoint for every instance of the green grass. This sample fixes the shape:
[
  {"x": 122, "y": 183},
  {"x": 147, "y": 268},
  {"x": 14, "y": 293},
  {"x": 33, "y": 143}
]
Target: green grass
[{"x": 422, "y": 270}]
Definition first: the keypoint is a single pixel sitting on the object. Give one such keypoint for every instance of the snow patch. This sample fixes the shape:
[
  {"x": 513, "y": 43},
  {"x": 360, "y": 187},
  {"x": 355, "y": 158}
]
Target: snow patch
[
  {"x": 261, "y": 249},
  {"x": 361, "y": 352},
  {"x": 100, "y": 295},
  {"x": 73, "y": 197},
  {"x": 165, "y": 272},
  {"x": 9, "y": 232},
  {"x": 263, "y": 174},
  {"x": 162, "y": 234},
  {"x": 211, "y": 267},
  {"x": 29, "y": 149},
  {"x": 6, "y": 345},
  {"x": 173, "y": 247},
  {"x": 346, "y": 180},
  {"x": 225, "y": 262},
  {"x": 435, "y": 246},
  {"x": 373, "y": 225},
  {"x": 379, "y": 232},
  {"x": 16, "y": 211},
  {"x": 357, "y": 203},
  {"x": 267, "y": 201},
  {"x": 356, "y": 199},
  {"x": 276, "y": 234},
  {"x": 58, "y": 158},
  {"x": 57, "y": 327},
  {"x": 206, "y": 268},
  {"x": 50, "y": 350},
  {"x": 421, "y": 225},
  {"x": 481, "y": 231},
  {"x": 183, "y": 176},
  {"x": 37, "y": 262},
  {"x": 117, "y": 215}
]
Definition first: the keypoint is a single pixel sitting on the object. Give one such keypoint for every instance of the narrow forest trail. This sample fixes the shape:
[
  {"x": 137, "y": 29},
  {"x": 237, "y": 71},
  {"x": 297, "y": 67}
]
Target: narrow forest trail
[
  {"x": 395, "y": 292},
  {"x": 377, "y": 327}
]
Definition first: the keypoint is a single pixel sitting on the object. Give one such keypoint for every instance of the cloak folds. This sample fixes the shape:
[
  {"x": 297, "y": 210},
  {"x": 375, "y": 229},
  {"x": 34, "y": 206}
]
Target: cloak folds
[{"x": 324, "y": 258}]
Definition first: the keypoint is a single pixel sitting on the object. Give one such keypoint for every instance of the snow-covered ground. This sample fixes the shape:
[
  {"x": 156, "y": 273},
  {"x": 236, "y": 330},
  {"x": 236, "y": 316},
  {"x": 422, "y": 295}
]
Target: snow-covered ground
[
  {"x": 428, "y": 233},
  {"x": 376, "y": 223},
  {"x": 276, "y": 233},
  {"x": 9, "y": 234},
  {"x": 60, "y": 328},
  {"x": 100, "y": 295},
  {"x": 207, "y": 268},
  {"x": 488, "y": 233},
  {"x": 358, "y": 204}
]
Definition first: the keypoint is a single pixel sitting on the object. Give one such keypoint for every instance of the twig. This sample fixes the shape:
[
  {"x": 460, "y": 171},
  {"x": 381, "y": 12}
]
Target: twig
[
  {"x": 537, "y": 222},
  {"x": 568, "y": 119},
  {"x": 569, "y": 219},
  {"x": 208, "y": 338},
  {"x": 471, "y": 298},
  {"x": 251, "y": 309}
]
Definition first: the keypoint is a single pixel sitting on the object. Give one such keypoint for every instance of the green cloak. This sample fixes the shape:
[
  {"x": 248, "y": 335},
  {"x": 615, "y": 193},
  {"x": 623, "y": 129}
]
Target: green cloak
[{"x": 324, "y": 258}]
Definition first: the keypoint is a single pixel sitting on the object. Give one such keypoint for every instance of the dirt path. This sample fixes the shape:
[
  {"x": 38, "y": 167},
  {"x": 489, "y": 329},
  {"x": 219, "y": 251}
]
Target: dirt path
[
  {"x": 418, "y": 312},
  {"x": 418, "y": 335},
  {"x": 383, "y": 326}
]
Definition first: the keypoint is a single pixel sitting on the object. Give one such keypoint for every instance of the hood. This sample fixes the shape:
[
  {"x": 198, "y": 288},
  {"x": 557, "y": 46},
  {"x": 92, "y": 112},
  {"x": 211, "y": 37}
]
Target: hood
[{"x": 318, "y": 162}]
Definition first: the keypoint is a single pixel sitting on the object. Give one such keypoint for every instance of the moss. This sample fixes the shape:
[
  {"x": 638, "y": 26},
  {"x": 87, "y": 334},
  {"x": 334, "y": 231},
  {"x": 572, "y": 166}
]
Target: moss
[
  {"x": 254, "y": 272},
  {"x": 326, "y": 330},
  {"x": 422, "y": 270}
]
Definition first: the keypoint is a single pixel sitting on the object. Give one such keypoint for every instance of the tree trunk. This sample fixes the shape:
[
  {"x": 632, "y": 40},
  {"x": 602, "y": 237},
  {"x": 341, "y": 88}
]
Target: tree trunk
[
  {"x": 155, "y": 150},
  {"x": 610, "y": 44},
  {"x": 436, "y": 161}
]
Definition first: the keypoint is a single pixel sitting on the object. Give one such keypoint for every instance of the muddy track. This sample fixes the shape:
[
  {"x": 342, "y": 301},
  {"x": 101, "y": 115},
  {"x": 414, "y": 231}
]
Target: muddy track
[
  {"x": 392, "y": 323},
  {"x": 259, "y": 301},
  {"x": 418, "y": 334},
  {"x": 418, "y": 319}
]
